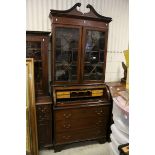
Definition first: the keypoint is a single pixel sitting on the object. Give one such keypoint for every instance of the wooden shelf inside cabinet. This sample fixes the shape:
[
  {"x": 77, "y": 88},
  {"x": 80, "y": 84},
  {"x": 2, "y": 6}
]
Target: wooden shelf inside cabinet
[
  {"x": 93, "y": 74},
  {"x": 34, "y": 49},
  {"x": 37, "y": 60},
  {"x": 98, "y": 64}
]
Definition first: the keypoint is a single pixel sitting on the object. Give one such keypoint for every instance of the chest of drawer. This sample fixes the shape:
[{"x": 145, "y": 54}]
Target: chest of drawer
[
  {"x": 82, "y": 123},
  {"x": 79, "y": 135},
  {"x": 81, "y": 113}
]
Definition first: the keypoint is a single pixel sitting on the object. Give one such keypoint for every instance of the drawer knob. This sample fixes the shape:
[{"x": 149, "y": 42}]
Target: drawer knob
[
  {"x": 67, "y": 115},
  {"x": 67, "y": 126}
]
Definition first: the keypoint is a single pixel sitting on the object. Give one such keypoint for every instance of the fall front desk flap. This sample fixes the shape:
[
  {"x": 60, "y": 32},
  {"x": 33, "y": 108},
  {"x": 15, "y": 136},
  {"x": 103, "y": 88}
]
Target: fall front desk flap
[{"x": 93, "y": 93}]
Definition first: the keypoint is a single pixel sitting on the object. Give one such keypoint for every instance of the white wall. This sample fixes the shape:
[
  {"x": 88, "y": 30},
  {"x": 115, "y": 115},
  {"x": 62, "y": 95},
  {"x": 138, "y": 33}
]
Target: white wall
[{"x": 37, "y": 19}]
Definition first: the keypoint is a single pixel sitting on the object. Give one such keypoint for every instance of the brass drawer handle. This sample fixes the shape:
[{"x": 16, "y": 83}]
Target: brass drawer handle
[
  {"x": 66, "y": 137},
  {"x": 67, "y": 126},
  {"x": 67, "y": 115},
  {"x": 100, "y": 112},
  {"x": 99, "y": 122}
]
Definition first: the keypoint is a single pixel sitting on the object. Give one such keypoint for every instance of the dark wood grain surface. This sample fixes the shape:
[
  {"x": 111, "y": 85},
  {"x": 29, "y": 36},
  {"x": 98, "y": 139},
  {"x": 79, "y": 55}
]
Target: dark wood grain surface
[
  {"x": 86, "y": 117},
  {"x": 44, "y": 121},
  {"x": 43, "y": 39},
  {"x": 116, "y": 87}
]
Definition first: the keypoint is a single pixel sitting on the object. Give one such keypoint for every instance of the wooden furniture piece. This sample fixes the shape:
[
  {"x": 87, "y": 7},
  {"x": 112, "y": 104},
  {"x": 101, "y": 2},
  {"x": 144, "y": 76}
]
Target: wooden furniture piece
[
  {"x": 82, "y": 103},
  {"x": 31, "y": 125},
  {"x": 44, "y": 121},
  {"x": 116, "y": 87},
  {"x": 81, "y": 112},
  {"x": 37, "y": 48},
  {"x": 79, "y": 46}
]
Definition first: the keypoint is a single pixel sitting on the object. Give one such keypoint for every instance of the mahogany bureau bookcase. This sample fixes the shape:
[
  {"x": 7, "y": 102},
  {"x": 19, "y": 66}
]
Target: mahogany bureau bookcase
[{"x": 81, "y": 100}]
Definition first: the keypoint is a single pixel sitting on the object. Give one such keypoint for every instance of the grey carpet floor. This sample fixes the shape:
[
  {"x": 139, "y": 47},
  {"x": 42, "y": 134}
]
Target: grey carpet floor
[{"x": 81, "y": 149}]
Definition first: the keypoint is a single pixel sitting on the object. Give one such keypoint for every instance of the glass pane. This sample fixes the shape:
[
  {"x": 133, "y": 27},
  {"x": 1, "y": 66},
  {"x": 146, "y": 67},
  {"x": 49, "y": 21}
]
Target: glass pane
[
  {"x": 67, "y": 41},
  {"x": 94, "y": 55},
  {"x": 33, "y": 50}
]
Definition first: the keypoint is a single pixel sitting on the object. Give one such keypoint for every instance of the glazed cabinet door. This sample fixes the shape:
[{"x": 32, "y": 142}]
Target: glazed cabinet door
[
  {"x": 37, "y": 48},
  {"x": 66, "y": 54},
  {"x": 94, "y": 54},
  {"x": 33, "y": 50}
]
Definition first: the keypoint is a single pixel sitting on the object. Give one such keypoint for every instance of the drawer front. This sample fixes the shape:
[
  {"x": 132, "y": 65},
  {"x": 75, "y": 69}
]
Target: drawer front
[
  {"x": 82, "y": 123},
  {"x": 79, "y": 135},
  {"x": 44, "y": 112},
  {"x": 83, "y": 112}
]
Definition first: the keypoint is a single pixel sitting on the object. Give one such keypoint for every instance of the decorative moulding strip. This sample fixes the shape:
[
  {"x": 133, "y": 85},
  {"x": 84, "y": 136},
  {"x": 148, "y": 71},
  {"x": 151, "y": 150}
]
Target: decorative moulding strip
[{"x": 73, "y": 12}]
